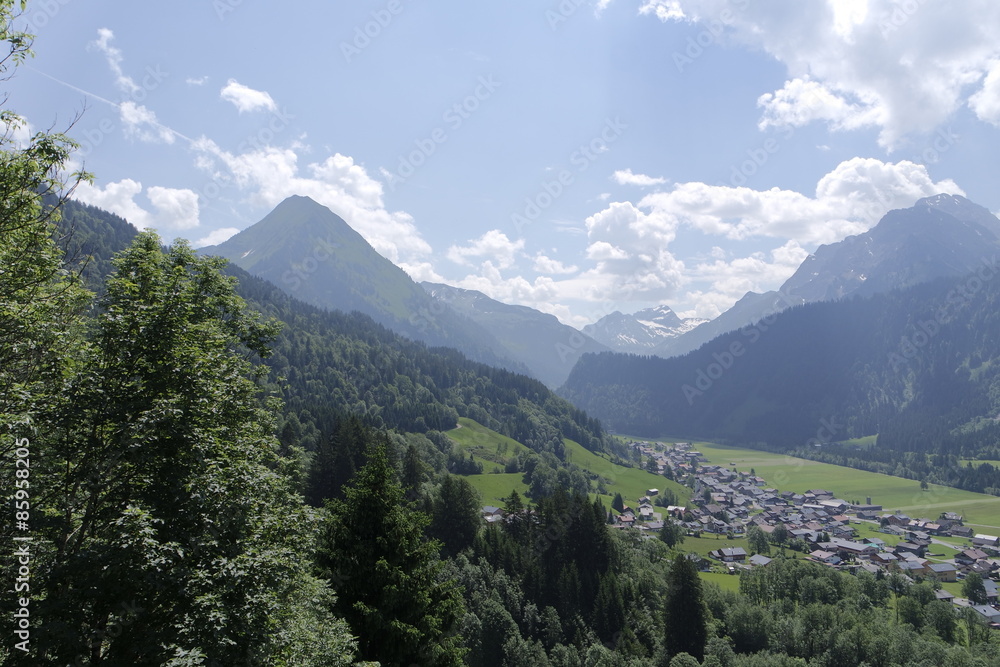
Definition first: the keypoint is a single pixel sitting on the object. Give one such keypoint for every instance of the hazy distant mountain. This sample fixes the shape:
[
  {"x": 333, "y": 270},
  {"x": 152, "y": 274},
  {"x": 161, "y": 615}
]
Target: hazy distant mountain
[
  {"x": 541, "y": 342},
  {"x": 311, "y": 253},
  {"x": 641, "y": 332},
  {"x": 938, "y": 237}
]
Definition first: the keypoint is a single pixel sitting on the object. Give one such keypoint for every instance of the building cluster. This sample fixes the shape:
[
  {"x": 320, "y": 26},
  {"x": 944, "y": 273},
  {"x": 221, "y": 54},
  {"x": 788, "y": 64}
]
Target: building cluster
[{"x": 728, "y": 502}]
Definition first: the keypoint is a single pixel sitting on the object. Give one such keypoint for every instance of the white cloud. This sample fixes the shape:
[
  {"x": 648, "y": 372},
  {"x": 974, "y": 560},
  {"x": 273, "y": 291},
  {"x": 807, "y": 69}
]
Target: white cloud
[
  {"x": 493, "y": 246},
  {"x": 245, "y": 98},
  {"x": 630, "y": 243},
  {"x": 114, "y": 57},
  {"x": 904, "y": 67},
  {"x": 269, "y": 175},
  {"x": 848, "y": 200},
  {"x": 216, "y": 237},
  {"x": 196, "y": 81},
  {"x": 169, "y": 209},
  {"x": 986, "y": 103},
  {"x": 138, "y": 121},
  {"x": 626, "y": 177},
  {"x": 550, "y": 266},
  {"x": 141, "y": 123}
]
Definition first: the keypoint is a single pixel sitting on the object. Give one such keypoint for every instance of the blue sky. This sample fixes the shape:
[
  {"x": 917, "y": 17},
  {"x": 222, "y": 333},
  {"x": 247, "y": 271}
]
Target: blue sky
[{"x": 579, "y": 157}]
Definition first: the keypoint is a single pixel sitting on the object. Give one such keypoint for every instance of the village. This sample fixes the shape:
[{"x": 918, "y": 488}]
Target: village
[{"x": 824, "y": 528}]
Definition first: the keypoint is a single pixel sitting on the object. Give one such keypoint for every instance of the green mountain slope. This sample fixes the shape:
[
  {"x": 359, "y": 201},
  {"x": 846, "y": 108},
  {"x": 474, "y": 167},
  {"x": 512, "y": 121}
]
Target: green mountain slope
[{"x": 312, "y": 254}]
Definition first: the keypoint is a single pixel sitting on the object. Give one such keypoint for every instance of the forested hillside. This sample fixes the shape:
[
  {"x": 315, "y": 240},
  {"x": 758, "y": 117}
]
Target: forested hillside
[{"x": 919, "y": 367}]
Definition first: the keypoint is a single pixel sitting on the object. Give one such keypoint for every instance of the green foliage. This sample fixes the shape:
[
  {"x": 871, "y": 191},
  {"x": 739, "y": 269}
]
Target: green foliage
[
  {"x": 684, "y": 610},
  {"x": 387, "y": 574},
  {"x": 974, "y": 589}
]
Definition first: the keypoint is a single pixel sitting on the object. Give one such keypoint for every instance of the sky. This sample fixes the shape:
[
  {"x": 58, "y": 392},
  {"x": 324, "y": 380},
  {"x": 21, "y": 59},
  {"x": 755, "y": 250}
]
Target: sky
[{"x": 576, "y": 156}]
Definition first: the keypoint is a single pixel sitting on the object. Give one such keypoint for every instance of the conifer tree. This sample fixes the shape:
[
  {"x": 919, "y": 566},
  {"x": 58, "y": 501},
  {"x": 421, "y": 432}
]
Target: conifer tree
[
  {"x": 685, "y": 612},
  {"x": 388, "y": 574}
]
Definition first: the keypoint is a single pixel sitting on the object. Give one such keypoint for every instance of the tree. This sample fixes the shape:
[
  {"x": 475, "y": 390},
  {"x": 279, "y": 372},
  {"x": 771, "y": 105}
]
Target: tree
[
  {"x": 757, "y": 539},
  {"x": 671, "y": 534},
  {"x": 974, "y": 589},
  {"x": 684, "y": 610},
  {"x": 457, "y": 514},
  {"x": 618, "y": 503},
  {"x": 780, "y": 534},
  {"x": 387, "y": 573},
  {"x": 170, "y": 511}
]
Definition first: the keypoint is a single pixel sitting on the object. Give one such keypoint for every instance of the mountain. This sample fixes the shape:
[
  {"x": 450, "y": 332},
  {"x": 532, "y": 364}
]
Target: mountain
[
  {"x": 919, "y": 367},
  {"x": 335, "y": 363},
  {"x": 940, "y": 236},
  {"x": 752, "y": 308},
  {"x": 641, "y": 332},
  {"x": 540, "y": 341},
  {"x": 311, "y": 253}
]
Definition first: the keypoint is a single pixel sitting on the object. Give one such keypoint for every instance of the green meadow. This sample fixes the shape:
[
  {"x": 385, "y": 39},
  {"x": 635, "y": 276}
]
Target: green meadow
[{"x": 493, "y": 450}]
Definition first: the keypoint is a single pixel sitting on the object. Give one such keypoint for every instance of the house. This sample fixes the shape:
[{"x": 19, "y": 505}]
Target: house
[
  {"x": 989, "y": 613},
  {"x": 942, "y": 594},
  {"x": 730, "y": 554},
  {"x": 759, "y": 561},
  {"x": 961, "y": 531},
  {"x": 492, "y": 514},
  {"x": 970, "y": 556},
  {"x": 822, "y": 556},
  {"x": 898, "y": 520},
  {"x": 909, "y": 547},
  {"x": 853, "y": 549},
  {"x": 991, "y": 590},
  {"x": 981, "y": 540},
  {"x": 943, "y": 571},
  {"x": 886, "y": 558},
  {"x": 912, "y": 567},
  {"x": 652, "y": 492}
]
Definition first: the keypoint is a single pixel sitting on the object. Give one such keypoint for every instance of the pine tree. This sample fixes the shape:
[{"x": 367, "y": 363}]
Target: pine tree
[
  {"x": 387, "y": 573},
  {"x": 457, "y": 515},
  {"x": 685, "y": 612}
]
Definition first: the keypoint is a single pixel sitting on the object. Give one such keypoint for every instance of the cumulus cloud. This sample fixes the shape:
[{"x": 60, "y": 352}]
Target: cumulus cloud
[
  {"x": 168, "y": 209},
  {"x": 245, "y": 98},
  {"x": 855, "y": 63},
  {"x": 630, "y": 244},
  {"x": 626, "y": 177},
  {"x": 849, "y": 200},
  {"x": 270, "y": 174},
  {"x": 551, "y": 267},
  {"x": 493, "y": 246},
  {"x": 140, "y": 123},
  {"x": 216, "y": 237},
  {"x": 986, "y": 103}
]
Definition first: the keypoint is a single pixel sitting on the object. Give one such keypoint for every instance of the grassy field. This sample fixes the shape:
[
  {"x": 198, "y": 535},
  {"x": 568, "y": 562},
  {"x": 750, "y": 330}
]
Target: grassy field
[
  {"x": 494, "y": 449},
  {"x": 485, "y": 445},
  {"x": 493, "y": 488},
  {"x": 893, "y": 493},
  {"x": 727, "y": 582}
]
